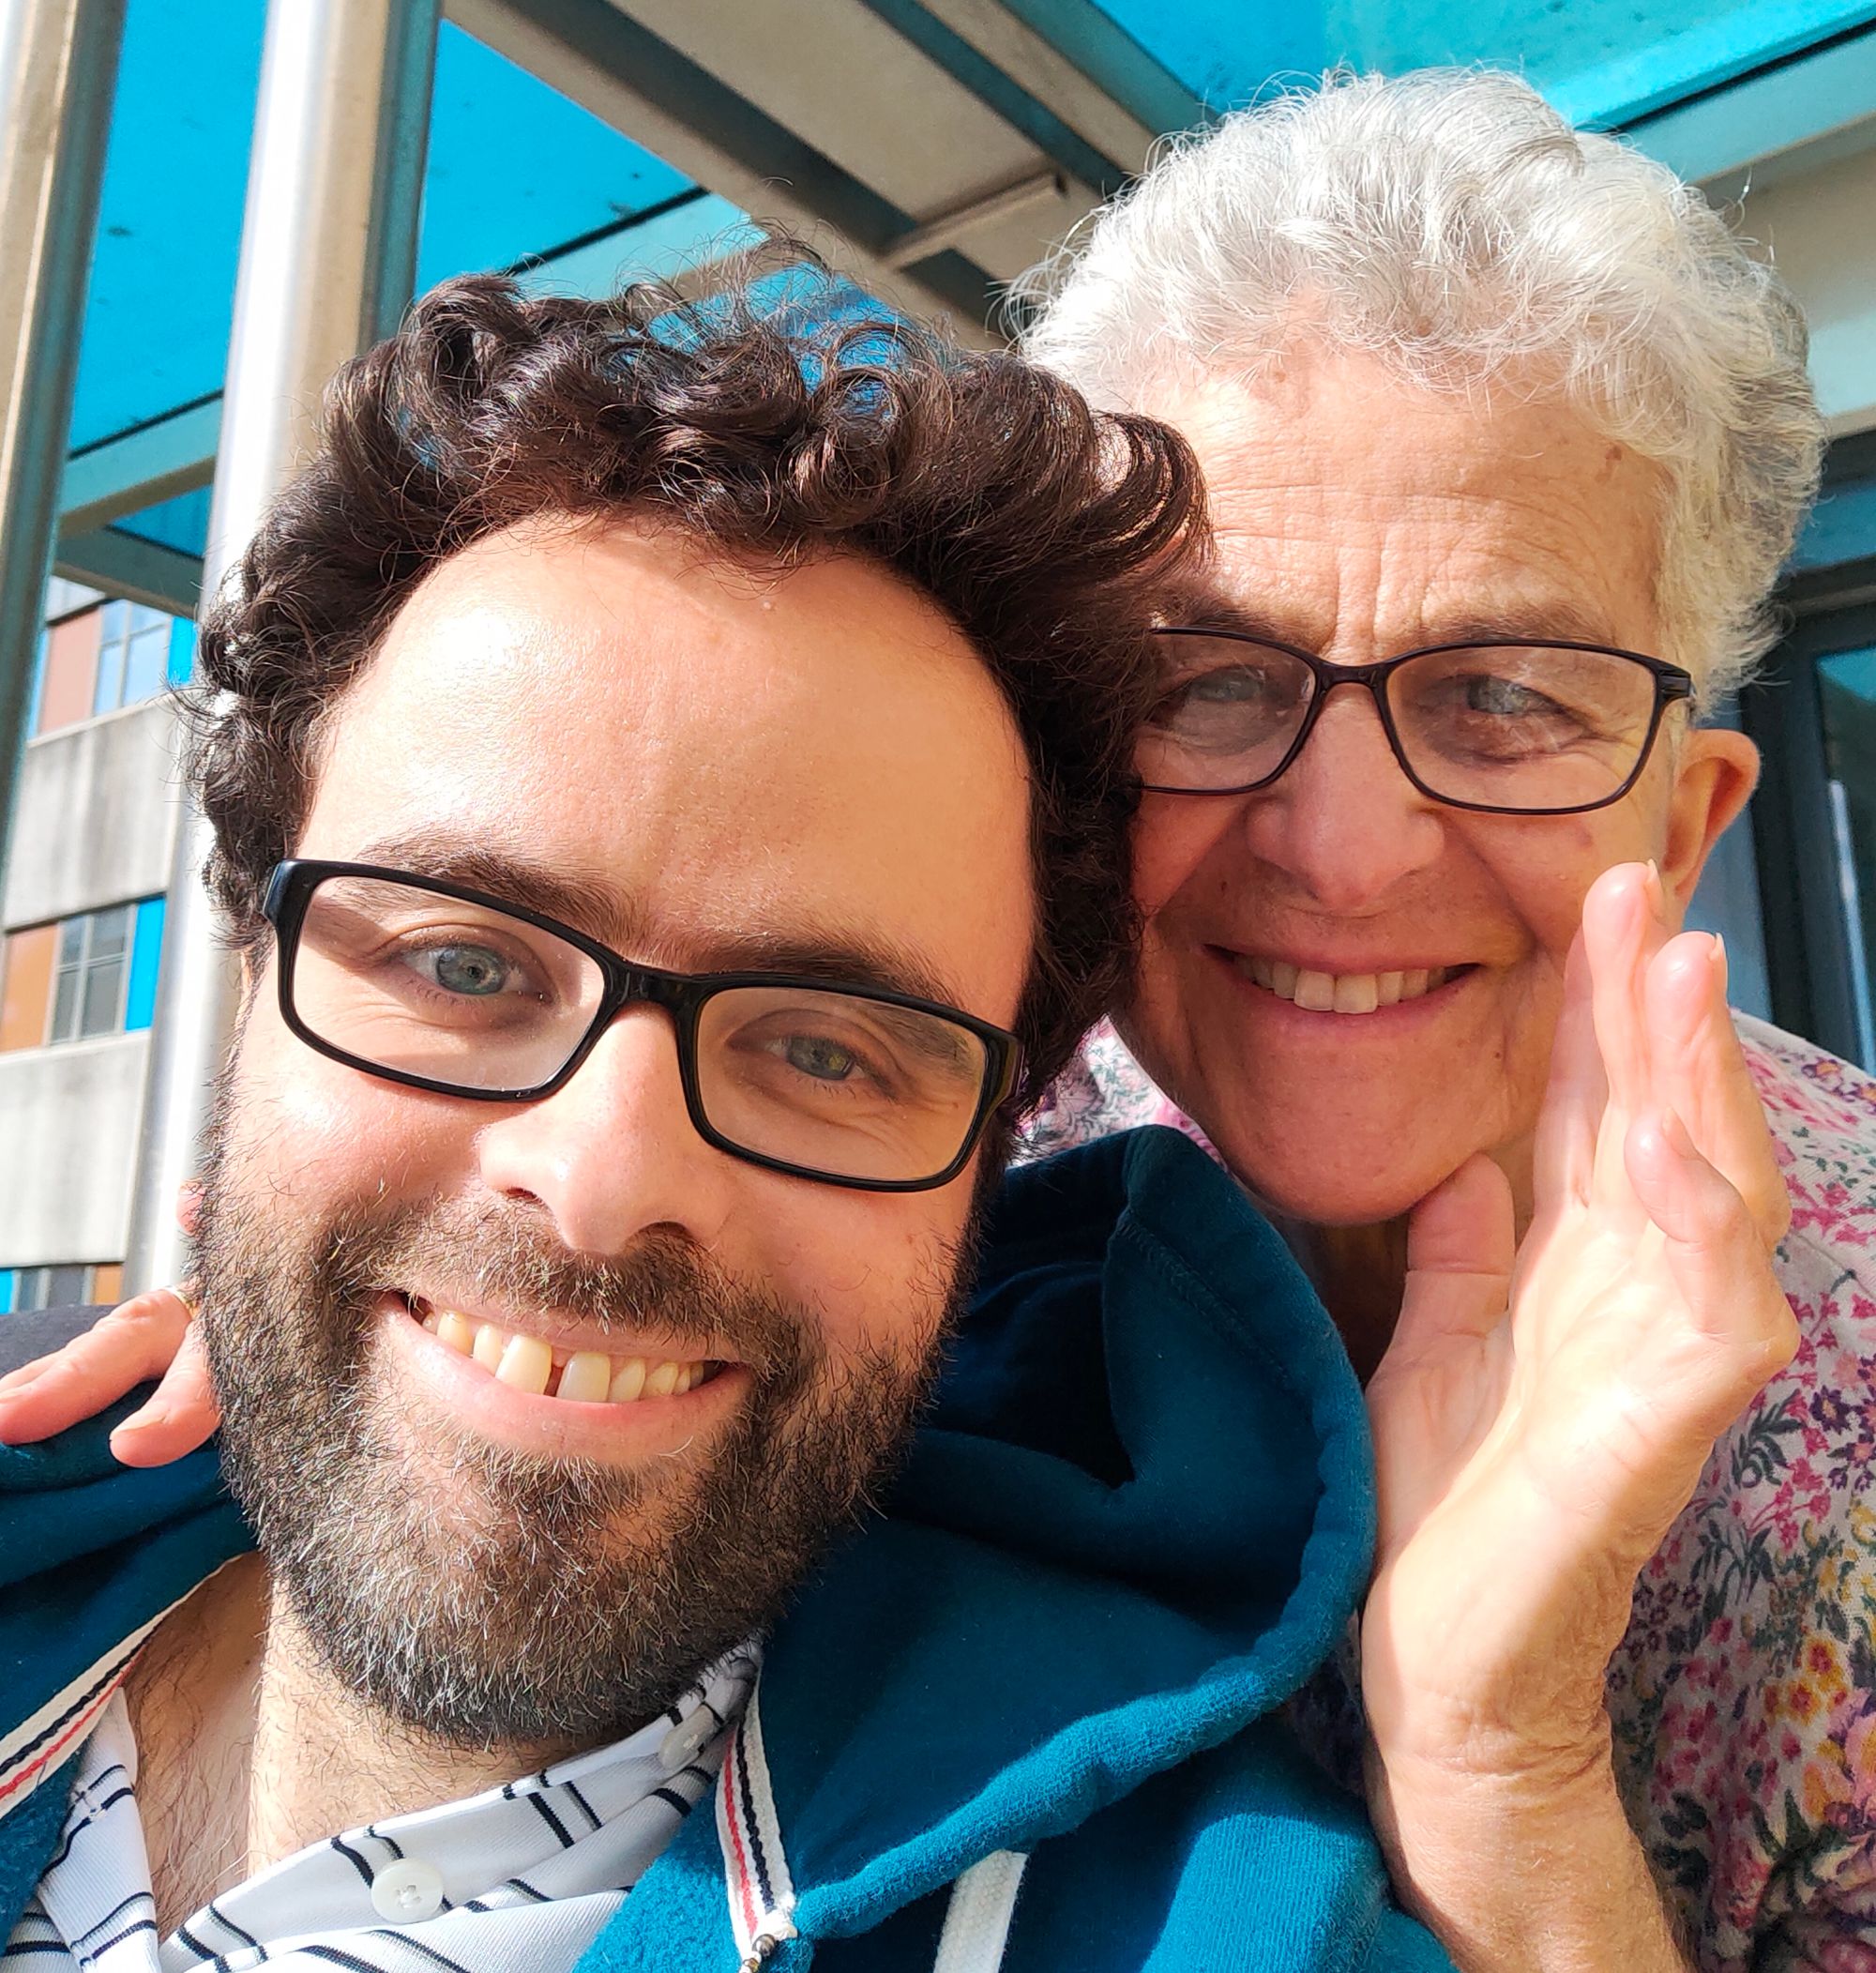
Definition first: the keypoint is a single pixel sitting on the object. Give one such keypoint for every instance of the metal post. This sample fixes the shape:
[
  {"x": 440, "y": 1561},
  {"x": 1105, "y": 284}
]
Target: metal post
[
  {"x": 58, "y": 70},
  {"x": 329, "y": 250}
]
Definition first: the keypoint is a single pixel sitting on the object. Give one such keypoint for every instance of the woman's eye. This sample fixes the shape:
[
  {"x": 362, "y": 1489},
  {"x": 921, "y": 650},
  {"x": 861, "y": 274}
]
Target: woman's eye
[
  {"x": 1506, "y": 699},
  {"x": 474, "y": 971},
  {"x": 1226, "y": 688},
  {"x": 815, "y": 1055}
]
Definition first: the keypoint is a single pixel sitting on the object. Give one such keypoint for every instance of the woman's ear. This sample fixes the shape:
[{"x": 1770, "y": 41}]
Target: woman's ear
[{"x": 1714, "y": 775}]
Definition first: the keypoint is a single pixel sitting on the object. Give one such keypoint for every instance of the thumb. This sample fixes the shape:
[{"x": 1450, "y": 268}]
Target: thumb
[
  {"x": 1462, "y": 1245},
  {"x": 1436, "y": 1390}
]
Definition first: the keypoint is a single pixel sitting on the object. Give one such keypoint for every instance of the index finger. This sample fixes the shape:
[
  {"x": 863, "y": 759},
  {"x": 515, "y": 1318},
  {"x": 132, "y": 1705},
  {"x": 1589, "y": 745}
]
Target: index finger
[{"x": 1703, "y": 1077}]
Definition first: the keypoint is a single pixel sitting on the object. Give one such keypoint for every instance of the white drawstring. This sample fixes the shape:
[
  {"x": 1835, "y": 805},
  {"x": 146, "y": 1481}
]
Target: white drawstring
[{"x": 976, "y": 1922}]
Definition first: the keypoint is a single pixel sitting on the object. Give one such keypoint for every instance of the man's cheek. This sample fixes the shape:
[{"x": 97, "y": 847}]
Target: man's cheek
[
  {"x": 871, "y": 1288},
  {"x": 334, "y": 1138}
]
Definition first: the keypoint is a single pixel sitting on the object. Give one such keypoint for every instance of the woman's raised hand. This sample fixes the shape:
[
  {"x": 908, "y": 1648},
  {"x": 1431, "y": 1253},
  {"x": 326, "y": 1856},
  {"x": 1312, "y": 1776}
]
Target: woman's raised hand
[
  {"x": 1544, "y": 1414},
  {"x": 152, "y": 1335}
]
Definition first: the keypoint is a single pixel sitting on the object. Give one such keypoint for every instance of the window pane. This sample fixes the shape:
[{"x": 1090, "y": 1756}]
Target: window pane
[
  {"x": 115, "y": 620},
  {"x": 109, "y": 694},
  {"x": 31, "y": 1292},
  {"x": 71, "y": 941},
  {"x": 146, "y": 663},
  {"x": 109, "y": 931},
  {"x": 64, "y": 1006},
  {"x": 1846, "y": 693},
  {"x": 104, "y": 997},
  {"x": 65, "y": 1286}
]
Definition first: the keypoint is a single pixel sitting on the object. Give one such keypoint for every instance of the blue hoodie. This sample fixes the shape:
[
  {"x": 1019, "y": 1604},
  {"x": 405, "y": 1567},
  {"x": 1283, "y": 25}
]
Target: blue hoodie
[{"x": 1030, "y": 1717}]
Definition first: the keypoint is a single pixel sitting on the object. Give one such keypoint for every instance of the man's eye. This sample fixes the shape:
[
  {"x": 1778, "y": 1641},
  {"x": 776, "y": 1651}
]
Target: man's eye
[
  {"x": 474, "y": 971},
  {"x": 815, "y": 1055}
]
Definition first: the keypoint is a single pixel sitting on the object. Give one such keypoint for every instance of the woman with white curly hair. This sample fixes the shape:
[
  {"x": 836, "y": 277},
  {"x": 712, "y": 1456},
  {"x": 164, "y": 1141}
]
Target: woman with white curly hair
[{"x": 1506, "y": 439}]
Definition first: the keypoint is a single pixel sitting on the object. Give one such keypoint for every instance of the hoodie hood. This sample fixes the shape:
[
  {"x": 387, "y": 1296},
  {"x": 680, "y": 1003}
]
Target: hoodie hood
[{"x": 1139, "y": 1517}]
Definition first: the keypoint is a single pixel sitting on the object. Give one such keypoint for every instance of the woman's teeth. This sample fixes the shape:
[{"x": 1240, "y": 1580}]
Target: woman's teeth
[
  {"x": 585, "y": 1377},
  {"x": 1342, "y": 992}
]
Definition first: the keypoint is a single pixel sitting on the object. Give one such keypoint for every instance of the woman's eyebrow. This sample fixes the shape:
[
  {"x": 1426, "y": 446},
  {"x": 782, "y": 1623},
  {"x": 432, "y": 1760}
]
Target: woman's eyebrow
[{"x": 1521, "y": 622}]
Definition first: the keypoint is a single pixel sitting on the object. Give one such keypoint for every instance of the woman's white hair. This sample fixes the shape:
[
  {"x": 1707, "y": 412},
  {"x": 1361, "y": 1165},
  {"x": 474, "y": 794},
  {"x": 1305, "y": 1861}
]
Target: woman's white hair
[{"x": 1453, "y": 225}]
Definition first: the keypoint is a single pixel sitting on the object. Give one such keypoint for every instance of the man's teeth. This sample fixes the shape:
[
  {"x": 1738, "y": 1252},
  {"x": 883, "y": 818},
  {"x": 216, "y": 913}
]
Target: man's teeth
[
  {"x": 1342, "y": 992},
  {"x": 585, "y": 1377}
]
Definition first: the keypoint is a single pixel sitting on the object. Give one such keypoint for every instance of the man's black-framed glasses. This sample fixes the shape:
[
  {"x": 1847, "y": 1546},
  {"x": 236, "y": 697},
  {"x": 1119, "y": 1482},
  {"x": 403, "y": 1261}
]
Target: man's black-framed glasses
[
  {"x": 429, "y": 984},
  {"x": 1507, "y": 727}
]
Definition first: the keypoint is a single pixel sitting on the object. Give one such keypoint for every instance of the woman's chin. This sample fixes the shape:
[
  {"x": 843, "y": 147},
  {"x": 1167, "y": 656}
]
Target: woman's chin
[{"x": 1359, "y": 1187}]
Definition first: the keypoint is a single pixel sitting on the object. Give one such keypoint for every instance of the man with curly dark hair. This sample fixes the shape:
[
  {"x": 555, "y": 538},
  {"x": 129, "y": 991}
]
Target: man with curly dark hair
[{"x": 669, "y": 772}]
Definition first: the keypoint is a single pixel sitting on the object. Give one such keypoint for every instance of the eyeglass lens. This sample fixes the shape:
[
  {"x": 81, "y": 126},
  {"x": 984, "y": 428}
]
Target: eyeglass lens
[
  {"x": 402, "y": 977},
  {"x": 1512, "y": 726}
]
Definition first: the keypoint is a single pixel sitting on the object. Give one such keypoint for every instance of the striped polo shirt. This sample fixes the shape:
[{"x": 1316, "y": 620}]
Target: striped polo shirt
[{"x": 519, "y": 1879}]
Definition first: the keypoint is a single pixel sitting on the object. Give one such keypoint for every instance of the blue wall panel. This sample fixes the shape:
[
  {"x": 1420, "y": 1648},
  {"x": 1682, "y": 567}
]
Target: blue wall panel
[
  {"x": 147, "y": 949},
  {"x": 182, "y": 650}
]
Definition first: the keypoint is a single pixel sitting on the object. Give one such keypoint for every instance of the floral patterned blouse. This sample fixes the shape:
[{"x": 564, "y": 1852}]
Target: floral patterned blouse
[{"x": 1744, "y": 1695}]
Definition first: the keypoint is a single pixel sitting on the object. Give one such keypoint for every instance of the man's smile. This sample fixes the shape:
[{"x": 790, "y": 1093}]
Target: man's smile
[
  {"x": 569, "y": 1365},
  {"x": 560, "y": 1398}
]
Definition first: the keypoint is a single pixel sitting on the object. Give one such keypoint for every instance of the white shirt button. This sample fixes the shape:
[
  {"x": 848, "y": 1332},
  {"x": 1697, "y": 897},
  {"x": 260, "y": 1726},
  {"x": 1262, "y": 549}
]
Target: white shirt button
[
  {"x": 407, "y": 1892},
  {"x": 687, "y": 1740}
]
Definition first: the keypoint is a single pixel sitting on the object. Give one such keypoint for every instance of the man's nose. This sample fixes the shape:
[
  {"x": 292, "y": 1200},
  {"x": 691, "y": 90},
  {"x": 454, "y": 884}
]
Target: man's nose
[
  {"x": 1344, "y": 820},
  {"x": 614, "y": 1153}
]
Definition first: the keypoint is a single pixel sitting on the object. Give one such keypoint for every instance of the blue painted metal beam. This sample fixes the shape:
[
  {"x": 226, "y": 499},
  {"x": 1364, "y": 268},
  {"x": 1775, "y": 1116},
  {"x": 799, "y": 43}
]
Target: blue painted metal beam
[{"x": 1710, "y": 53}]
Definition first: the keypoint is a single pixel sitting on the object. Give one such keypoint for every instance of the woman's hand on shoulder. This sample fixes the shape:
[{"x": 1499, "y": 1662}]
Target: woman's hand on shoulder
[{"x": 152, "y": 1335}]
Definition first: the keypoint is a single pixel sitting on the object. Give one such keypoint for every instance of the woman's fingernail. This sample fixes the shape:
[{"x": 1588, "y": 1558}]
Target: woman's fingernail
[
  {"x": 1680, "y": 1141},
  {"x": 142, "y": 1421},
  {"x": 1658, "y": 896},
  {"x": 1719, "y": 962}
]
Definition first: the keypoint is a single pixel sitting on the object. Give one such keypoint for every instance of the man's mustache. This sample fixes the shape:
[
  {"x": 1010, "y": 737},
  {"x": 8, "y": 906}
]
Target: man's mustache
[{"x": 663, "y": 1288}]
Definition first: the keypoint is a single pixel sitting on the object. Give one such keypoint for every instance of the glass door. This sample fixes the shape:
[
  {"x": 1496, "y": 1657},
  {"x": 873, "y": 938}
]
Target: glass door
[{"x": 1847, "y": 705}]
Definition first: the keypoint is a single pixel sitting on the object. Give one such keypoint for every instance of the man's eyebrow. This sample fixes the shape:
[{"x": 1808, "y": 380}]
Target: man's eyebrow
[
  {"x": 809, "y": 945},
  {"x": 587, "y": 902},
  {"x": 841, "y": 956}
]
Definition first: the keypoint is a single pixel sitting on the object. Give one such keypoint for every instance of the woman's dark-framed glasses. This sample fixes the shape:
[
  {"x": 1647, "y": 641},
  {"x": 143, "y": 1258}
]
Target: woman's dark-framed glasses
[
  {"x": 1507, "y": 727},
  {"x": 429, "y": 984}
]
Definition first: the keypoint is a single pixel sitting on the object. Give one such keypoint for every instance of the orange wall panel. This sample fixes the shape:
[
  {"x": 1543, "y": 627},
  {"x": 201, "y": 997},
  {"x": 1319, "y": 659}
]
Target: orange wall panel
[
  {"x": 107, "y": 1282},
  {"x": 71, "y": 671},
  {"x": 26, "y": 985}
]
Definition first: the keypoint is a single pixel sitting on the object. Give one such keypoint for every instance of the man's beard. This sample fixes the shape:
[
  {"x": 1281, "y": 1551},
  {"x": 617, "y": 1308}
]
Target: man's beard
[{"x": 482, "y": 1595}]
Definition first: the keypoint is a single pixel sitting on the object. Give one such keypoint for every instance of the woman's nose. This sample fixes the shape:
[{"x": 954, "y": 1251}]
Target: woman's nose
[{"x": 1344, "y": 822}]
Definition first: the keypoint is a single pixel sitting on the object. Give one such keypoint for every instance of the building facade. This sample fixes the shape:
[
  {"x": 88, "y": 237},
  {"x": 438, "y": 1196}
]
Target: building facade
[{"x": 82, "y": 909}]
